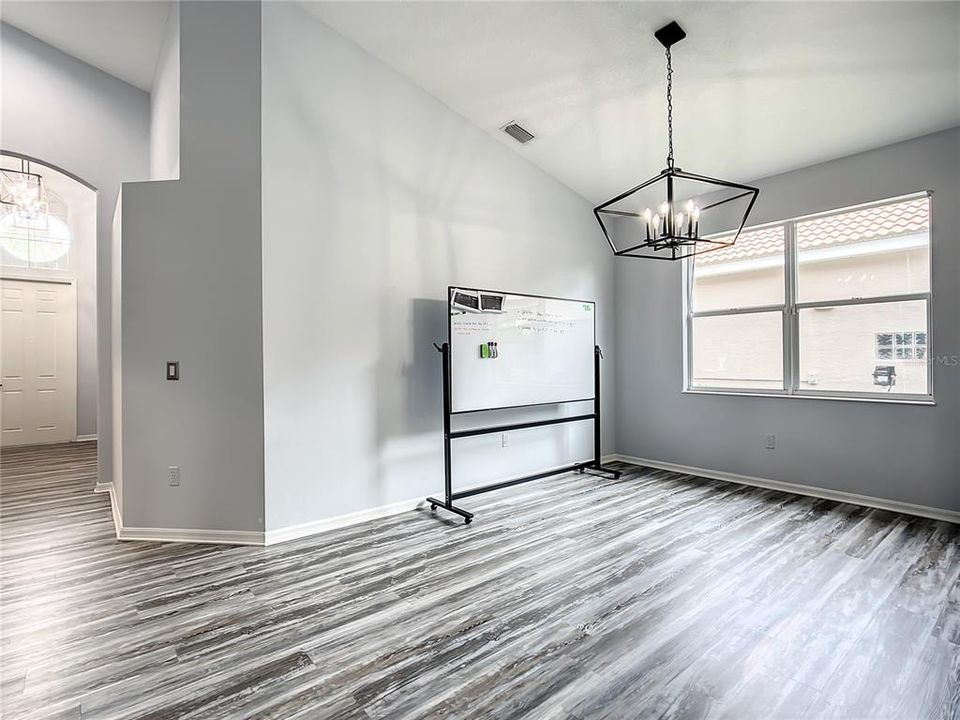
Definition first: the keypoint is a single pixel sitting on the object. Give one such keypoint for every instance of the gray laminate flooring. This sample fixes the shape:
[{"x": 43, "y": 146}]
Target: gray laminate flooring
[{"x": 658, "y": 595}]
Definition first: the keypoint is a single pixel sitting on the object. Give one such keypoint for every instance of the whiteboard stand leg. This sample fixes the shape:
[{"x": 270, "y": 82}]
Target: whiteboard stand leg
[
  {"x": 447, "y": 502},
  {"x": 597, "y": 466},
  {"x": 450, "y": 507},
  {"x": 599, "y": 471}
]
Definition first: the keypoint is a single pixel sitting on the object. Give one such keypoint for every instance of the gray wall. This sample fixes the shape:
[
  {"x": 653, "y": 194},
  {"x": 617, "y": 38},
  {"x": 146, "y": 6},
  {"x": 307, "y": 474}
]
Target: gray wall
[
  {"x": 899, "y": 452},
  {"x": 191, "y": 279},
  {"x": 165, "y": 104},
  {"x": 73, "y": 116},
  {"x": 375, "y": 198}
]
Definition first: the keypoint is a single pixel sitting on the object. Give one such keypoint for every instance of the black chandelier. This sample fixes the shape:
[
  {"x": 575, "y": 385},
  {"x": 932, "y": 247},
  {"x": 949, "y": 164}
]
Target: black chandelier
[{"x": 664, "y": 217}]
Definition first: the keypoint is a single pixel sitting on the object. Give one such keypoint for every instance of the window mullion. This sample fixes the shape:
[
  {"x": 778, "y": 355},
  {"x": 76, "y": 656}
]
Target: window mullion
[
  {"x": 778, "y": 307},
  {"x": 791, "y": 319}
]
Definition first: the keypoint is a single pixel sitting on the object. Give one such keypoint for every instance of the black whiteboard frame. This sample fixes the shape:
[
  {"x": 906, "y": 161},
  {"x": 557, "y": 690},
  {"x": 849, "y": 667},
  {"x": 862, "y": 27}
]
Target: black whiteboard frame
[
  {"x": 450, "y": 291},
  {"x": 593, "y": 466}
]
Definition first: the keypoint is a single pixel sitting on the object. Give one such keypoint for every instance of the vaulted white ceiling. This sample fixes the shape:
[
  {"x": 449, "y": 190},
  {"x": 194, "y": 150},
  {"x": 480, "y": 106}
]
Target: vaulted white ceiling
[
  {"x": 120, "y": 38},
  {"x": 759, "y": 88}
]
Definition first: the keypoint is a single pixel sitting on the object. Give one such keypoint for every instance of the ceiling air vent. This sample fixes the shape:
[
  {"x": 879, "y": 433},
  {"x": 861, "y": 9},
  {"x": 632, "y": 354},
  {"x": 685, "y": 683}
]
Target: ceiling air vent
[{"x": 521, "y": 135}]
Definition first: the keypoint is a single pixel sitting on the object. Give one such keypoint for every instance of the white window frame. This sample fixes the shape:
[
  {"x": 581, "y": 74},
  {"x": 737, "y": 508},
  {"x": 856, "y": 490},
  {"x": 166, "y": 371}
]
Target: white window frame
[{"x": 790, "y": 310}]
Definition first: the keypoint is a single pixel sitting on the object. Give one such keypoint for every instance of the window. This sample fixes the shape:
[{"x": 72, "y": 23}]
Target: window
[
  {"x": 836, "y": 304},
  {"x": 739, "y": 296},
  {"x": 43, "y": 242}
]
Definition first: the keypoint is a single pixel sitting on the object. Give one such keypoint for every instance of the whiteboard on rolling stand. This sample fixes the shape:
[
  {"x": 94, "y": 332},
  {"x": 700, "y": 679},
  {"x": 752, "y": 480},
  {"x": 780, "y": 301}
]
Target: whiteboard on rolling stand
[{"x": 510, "y": 350}]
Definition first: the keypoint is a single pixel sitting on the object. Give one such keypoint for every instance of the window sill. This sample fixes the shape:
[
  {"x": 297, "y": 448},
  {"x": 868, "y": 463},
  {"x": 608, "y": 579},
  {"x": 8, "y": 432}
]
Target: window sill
[{"x": 923, "y": 400}]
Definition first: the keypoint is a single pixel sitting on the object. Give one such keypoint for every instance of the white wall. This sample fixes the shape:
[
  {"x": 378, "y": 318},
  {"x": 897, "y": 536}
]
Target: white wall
[
  {"x": 75, "y": 117},
  {"x": 375, "y": 197},
  {"x": 899, "y": 452},
  {"x": 191, "y": 292},
  {"x": 165, "y": 104}
]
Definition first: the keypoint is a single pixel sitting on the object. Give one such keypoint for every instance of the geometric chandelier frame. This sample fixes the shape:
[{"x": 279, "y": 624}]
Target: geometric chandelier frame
[
  {"x": 668, "y": 228},
  {"x": 673, "y": 239}
]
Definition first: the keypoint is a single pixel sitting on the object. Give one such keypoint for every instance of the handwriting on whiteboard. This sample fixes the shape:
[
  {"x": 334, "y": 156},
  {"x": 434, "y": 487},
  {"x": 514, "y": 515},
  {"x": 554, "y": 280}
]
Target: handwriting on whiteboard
[
  {"x": 472, "y": 324},
  {"x": 540, "y": 322}
]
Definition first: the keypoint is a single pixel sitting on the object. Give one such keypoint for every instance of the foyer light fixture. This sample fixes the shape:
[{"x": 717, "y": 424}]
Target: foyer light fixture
[
  {"x": 23, "y": 196},
  {"x": 675, "y": 214}
]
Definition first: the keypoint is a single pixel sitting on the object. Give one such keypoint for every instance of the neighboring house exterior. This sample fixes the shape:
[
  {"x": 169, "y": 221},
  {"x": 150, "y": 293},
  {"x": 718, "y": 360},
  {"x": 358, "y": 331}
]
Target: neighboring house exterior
[{"x": 875, "y": 252}]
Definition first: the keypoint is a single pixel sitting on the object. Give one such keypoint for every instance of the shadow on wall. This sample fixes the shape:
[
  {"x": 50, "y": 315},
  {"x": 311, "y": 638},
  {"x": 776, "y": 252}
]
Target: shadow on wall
[
  {"x": 424, "y": 376},
  {"x": 409, "y": 399}
]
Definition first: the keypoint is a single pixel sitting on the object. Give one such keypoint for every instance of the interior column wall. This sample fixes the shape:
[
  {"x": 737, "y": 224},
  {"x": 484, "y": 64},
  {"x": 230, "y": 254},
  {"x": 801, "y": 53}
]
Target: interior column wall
[{"x": 191, "y": 278}]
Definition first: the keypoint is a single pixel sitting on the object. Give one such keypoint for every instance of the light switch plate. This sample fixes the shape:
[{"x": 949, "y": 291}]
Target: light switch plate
[{"x": 173, "y": 369}]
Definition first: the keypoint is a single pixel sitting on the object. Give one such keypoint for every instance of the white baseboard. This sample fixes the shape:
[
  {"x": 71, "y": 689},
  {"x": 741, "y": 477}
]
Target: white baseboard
[
  {"x": 189, "y": 535},
  {"x": 245, "y": 537},
  {"x": 272, "y": 537},
  {"x": 294, "y": 532},
  {"x": 86, "y": 438},
  {"x": 114, "y": 506},
  {"x": 952, "y": 516},
  {"x": 184, "y": 535}
]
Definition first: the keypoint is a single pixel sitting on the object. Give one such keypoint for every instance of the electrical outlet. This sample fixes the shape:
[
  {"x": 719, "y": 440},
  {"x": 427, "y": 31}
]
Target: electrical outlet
[
  {"x": 771, "y": 442},
  {"x": 173, "y": 476},
  {"x": 503, "y": 440}
]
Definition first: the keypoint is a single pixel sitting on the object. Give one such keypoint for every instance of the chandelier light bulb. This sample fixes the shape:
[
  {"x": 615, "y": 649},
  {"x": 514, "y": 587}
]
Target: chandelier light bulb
[{"x": 646, "y": 215}]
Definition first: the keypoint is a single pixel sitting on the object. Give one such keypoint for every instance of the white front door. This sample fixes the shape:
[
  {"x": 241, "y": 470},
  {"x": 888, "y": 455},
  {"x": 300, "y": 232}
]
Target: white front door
[{"x": 38, "y": 362}]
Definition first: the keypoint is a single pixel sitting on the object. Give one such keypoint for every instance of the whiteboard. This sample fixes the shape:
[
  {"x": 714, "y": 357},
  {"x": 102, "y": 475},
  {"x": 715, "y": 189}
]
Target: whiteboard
[{"x": 539, "y": 350}]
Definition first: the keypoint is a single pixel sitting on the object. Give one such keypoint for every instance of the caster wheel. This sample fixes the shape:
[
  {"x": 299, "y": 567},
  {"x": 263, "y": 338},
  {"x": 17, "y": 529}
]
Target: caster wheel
[
  {"x": 433, "y": 508},
  {"x": 467, "y": 521}
]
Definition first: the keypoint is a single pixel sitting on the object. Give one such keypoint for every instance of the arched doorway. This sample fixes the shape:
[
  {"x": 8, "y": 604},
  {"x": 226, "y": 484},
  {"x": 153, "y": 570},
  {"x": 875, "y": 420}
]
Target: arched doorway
[{"x": 48, "y": 293}]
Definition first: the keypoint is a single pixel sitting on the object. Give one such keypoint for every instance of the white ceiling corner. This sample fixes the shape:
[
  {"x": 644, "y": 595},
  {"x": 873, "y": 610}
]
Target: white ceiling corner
[{"x": 120, "y": 38}]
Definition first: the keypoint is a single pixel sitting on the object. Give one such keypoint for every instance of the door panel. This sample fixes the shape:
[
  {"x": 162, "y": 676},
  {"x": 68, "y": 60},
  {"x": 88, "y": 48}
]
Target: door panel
[
  {"x": 45, "y": 345},
  {"x": 11, "y": 345},
  {"x": 12, "y": 415},
  {"x": 38, "y": 362}
]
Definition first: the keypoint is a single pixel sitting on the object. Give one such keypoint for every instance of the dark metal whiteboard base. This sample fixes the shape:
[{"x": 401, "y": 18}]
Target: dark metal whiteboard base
[
  {"x": 450, "y": 507},
  {"x": 599, "y": 470},
  {"x": 592, "y": 467}
]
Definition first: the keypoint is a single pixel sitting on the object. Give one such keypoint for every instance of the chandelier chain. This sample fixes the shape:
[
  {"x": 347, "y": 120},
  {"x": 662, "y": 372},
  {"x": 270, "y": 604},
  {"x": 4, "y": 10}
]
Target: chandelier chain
[{"x": 669, "y": 109}]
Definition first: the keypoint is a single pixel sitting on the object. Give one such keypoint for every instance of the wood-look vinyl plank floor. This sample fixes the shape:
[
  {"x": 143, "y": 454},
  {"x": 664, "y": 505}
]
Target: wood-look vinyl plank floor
[{"x": 658, "y": 595}]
